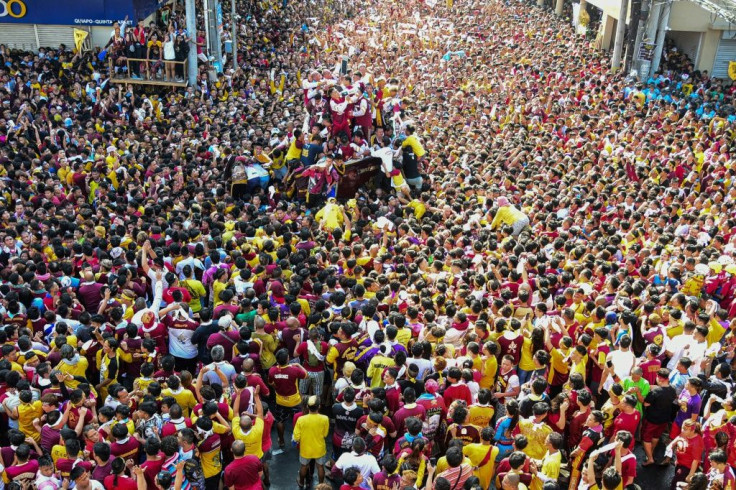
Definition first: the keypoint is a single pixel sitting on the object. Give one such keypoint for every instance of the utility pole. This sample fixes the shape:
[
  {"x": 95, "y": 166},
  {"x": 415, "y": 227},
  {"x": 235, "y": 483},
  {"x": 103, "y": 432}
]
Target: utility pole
[
  {"x": 234, "y": 27},
  {"x": 192, "y": 31},
  {"x": 645, "y": 48},
  {"x": 214, "y": 43},
  {"x": 639, "y": 11},
  {"x": 618, "y": 44},
  {"x": 664, "y": 22}
]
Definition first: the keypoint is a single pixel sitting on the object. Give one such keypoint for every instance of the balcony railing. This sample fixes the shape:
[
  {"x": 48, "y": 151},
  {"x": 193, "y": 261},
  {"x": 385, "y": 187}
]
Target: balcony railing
[{"x": 150, "y": 72}]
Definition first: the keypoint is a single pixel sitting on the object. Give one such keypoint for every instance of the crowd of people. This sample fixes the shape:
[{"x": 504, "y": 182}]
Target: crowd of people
[{"x": 535, "y": 291}]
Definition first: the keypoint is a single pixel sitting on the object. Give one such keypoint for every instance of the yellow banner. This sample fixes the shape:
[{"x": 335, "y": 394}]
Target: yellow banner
[{"x": 79, "y": 37}]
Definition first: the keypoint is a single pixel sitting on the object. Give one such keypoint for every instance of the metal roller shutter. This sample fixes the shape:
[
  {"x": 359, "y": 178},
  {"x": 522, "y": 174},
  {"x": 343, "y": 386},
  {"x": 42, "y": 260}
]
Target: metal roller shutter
[
  {"x": 53, "y": 36},
  {"x": 725, "y": 54},
  {"x": 19, "y": 36}
]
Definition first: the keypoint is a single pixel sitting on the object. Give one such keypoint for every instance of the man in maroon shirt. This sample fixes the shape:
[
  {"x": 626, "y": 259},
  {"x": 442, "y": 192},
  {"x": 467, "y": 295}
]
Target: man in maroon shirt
[
  {"x": 226, "y": 338},
  {"x": 285, "y": 377},
  {"x": 246, "y": 470},
  {"x": 410, "y": 409},
  {"x": 364, "y": 426},
  {"x": 176, "y": 422},
  {"x": 73, "y": 452},
  {"x": 90, "y": 292},
  {"x": 312, "y": 354},
  {"x": 24, "y": 470},
  {"x": 154, "y": 461},
  {"x": 393, "y": 390},
  {"x": 103, "y": 461},
  {"x": 457, "y": 390},
  {"x": 292, "y": 335},
  {"x": 124, "y": 446},
  {"x": 173, "y": 283},
  {"x": 167, "y": 362},
  {"x": 577, "y": 424},
  {"x": 372, "y": 430},
  {"x": 628, "y": 419},
  {"x": 254, "y": 379}
]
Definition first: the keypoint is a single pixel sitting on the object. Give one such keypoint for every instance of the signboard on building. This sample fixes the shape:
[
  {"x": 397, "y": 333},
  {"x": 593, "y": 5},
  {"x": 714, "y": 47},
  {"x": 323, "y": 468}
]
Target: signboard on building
[{"x": 75, "y": 12}]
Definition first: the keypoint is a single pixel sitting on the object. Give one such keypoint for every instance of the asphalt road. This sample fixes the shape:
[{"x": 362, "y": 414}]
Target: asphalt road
[{"x": 654, "y": 476}]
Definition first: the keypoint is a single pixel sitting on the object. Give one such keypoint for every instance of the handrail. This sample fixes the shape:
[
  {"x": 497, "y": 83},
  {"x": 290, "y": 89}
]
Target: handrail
[{"x": 128, "y": 75}]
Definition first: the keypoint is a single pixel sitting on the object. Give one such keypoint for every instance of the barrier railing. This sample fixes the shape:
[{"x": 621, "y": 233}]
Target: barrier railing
[{"x": 150, "y": 72}]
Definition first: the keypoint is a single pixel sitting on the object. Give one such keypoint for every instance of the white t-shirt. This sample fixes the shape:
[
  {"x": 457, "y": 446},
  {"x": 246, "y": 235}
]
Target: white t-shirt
[
  {"x": 365, "y": 462},
  {"x": 424, "y": 365},
  {"x": 622, "y": 364},
  {"x": 512, "y": 384},
  {"x": 695, "y": 351},
  {"x": 677, "y": 346}
]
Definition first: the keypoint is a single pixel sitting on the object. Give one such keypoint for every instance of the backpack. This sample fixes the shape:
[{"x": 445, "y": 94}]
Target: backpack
[
  {"x": 194, "y": 474},
  {"x": 312, "y": 360}
]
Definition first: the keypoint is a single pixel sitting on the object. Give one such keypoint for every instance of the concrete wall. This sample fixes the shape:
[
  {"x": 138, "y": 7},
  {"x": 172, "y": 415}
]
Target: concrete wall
[
  {"x": 608, "y": 28},
  {"x": 708, "y": 48},
  {"x": 688, "y": 16},
  {"x": 609, "y": 7}
]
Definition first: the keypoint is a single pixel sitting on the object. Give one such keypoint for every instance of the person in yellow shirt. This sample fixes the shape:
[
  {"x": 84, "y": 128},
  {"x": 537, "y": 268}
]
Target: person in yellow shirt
[
  {"x": 267, "y": 341},
  {"x": 549, "y": 468},
  {"x": 28, "y": 410},
  {"x": 294, "y": 153},
  {"x": 536, "y": 430},
  {"x": 403, "y": 334},
  {"x": 184, "y": 398},
  {"x": 490, "y": 365},
  {"x": 419, "y": 206},
  {"x": 507, "y": 214},
  {"x": 531, "y": 344},
  {"x": 219, "y": 285},
  {"x": 481, "y": 414},
  {"x": 331, "y": 216},
  {"x": 209, "y": 449},
  {"x": 412, "y": 141},
  {"x": 10, "y": 354},
  {"x": 579, "y": 358},
  {"x": 249, "y": 430},
  {"x": 73, "y": 364},
  {"x": 210, "y": 410},
  {"x": 443, "y": 465},
  {"x": 483, "y": 457},
  {"x": 378, "y": 363},
  {"x": 310, "y": 432},
  {"x": 249, "y": 427},
  {"x": 146, "y": 379}
]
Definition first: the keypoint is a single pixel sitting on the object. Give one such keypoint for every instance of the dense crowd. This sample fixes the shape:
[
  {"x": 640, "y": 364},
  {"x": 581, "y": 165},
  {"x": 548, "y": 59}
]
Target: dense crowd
[{"x": 535, "y": 291}]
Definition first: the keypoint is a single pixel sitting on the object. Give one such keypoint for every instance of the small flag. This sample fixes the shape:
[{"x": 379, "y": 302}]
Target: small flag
[{"x": 79, "y": 37}]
